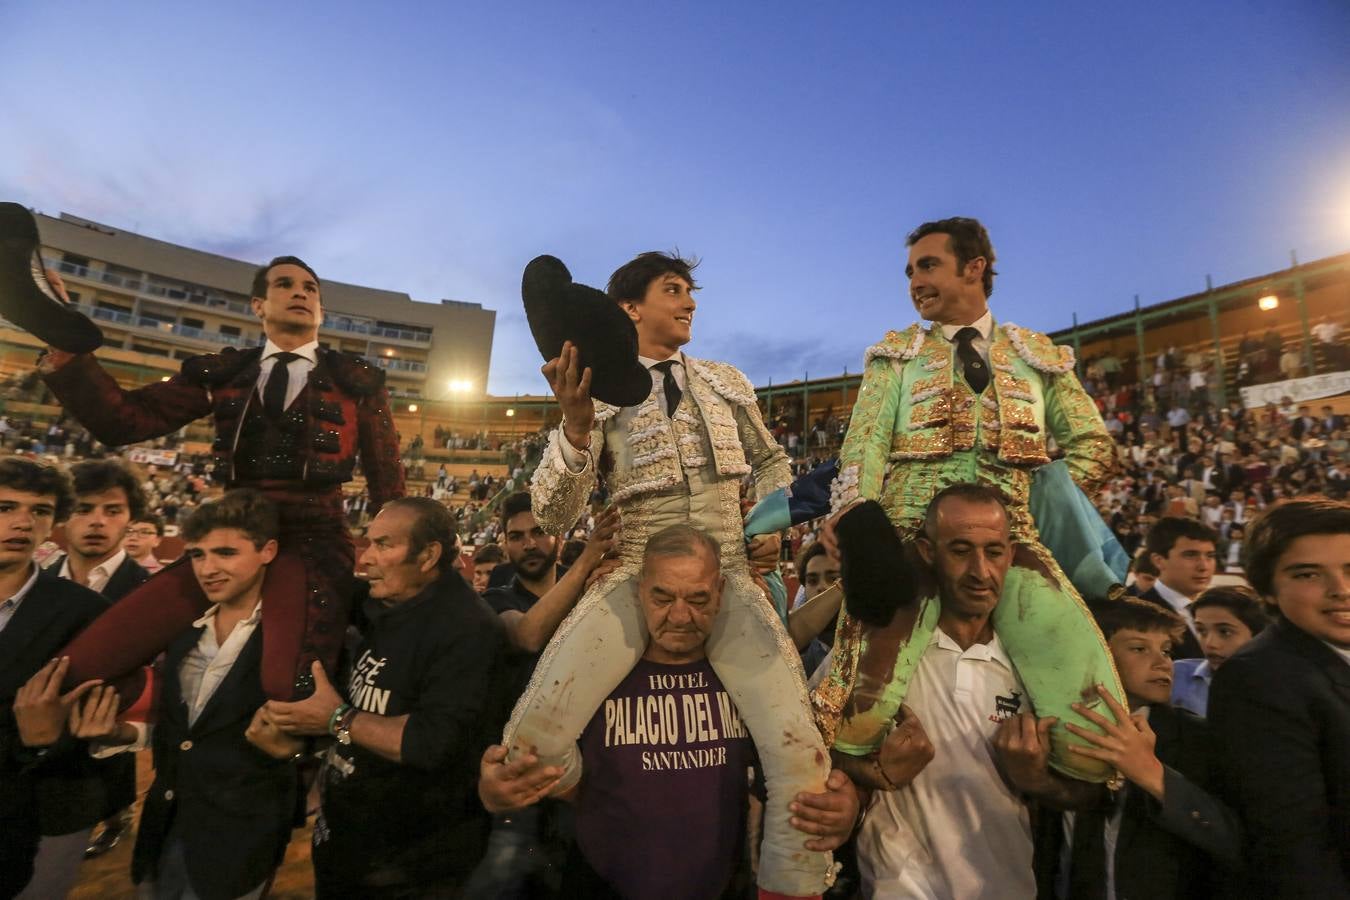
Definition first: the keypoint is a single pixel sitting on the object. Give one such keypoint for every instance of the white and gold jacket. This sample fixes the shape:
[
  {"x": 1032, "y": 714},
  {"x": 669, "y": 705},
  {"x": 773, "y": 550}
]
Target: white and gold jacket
[{"x": 717, "y": 432}]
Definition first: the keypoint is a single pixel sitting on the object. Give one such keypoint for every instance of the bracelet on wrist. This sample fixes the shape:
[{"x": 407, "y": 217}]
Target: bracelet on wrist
[{"x": 342, "y": 710}]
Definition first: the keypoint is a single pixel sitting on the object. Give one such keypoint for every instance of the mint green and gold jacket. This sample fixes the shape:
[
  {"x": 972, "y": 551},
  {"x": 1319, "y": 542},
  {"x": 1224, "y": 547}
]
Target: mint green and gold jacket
[{"x": 917, "y": 427}]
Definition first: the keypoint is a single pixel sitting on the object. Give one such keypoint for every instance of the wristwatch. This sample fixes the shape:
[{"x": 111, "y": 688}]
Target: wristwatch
[{"x": 343, "y": 731}]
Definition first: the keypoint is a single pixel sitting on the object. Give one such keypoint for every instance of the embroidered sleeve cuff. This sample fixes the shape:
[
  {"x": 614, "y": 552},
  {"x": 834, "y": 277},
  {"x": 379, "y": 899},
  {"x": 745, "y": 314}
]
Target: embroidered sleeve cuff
[
  {"x": 844, "y": 489},
  {"x": 574, "y": 459}
]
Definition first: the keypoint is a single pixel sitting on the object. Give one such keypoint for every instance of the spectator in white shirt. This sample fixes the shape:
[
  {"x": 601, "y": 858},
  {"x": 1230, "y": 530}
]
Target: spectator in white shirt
[{"x": 956, "y": 829}]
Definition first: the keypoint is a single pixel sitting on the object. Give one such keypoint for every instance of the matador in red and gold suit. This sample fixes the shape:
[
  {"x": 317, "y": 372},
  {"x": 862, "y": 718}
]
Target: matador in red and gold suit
[{"x": 298, "y": 447}]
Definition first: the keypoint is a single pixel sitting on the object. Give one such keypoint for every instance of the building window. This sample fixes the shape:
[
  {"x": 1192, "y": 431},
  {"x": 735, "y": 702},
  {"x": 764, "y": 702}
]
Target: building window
[
  {"x": 194, "y": 323},
  {"x": 232, "y": 330}
]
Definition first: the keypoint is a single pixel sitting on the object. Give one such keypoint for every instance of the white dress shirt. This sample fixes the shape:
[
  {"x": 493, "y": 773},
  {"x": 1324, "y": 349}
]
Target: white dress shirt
[
  {"x": 99, "y": 574},
  {"x": 297, "y": 370},
  {"x": 200, "y": 673},
  {"x": 11, "y": 604},
  {"x": 1179, "y": 602},
  {"x": 984, "y": 325}
]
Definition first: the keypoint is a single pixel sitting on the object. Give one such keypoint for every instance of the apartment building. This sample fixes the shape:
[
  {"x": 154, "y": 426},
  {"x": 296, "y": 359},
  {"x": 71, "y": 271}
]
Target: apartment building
[{"x": 159, "y": 303}]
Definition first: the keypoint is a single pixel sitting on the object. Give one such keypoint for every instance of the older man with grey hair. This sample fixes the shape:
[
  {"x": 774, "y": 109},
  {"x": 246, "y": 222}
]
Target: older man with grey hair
[{"x": 667, "y": 745}]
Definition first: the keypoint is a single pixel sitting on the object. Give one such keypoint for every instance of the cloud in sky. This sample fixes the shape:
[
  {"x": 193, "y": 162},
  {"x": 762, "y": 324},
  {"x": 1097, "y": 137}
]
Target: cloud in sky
[{"x": 435, "y": 149}]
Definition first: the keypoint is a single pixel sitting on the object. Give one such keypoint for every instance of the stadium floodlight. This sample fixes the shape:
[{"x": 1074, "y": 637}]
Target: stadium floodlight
[
  {"x": 460, "y": 385},
  {"x": 412, "y": 407},
  {"x": 510, "y": 413},
  {"x": 1268, "y": 302}
]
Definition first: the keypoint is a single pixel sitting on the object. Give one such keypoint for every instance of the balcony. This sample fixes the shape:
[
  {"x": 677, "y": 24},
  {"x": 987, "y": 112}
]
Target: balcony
[
  {"x": 195, "y": 296},
  {"x": 398, "y": 365},
  {"x": 117, "y": 317}
]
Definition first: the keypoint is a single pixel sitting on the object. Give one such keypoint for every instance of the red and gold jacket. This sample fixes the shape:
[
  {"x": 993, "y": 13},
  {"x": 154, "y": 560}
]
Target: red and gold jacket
[{"x": 347, "y": 413}]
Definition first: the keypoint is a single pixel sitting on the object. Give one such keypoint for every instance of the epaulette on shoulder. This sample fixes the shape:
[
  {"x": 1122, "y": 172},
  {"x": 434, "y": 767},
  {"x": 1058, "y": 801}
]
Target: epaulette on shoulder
[
  {"x": 354, "y": 373},
  {"x": 897, "y": 345},
  {"x": 728, "y": 381},
  {"x": 214, "y": 369},
  {"x": 1038, "y": 351}
]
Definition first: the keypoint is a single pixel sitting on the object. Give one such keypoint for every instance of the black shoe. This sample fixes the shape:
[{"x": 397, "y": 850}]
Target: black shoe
[
  {"x": 112, "y": 832},
  {"x": 27, "y": 298}
]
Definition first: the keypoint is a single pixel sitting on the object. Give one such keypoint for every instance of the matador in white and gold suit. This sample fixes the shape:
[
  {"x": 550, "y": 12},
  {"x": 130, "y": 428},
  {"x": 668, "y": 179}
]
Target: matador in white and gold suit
[{"x": 661, "y": 470}]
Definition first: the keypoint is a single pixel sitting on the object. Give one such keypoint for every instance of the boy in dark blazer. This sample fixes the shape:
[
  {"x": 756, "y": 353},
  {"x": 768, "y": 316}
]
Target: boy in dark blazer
[
  {"x": 107, "y": 498},
  {"x": 227, "y": 791},
  {"x": 1280, "y": 706},
  {"x": 47, "y": 795},
  {"x": 1163, "y": 833}
]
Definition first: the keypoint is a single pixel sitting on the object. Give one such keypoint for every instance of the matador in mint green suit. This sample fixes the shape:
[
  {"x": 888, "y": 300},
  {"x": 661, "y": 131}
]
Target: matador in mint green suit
[{"x": 918, "y": 427}]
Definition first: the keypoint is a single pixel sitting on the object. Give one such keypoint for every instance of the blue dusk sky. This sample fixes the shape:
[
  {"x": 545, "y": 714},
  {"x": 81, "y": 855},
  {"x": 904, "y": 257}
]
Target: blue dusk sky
[{"x": 434, "y": 148}]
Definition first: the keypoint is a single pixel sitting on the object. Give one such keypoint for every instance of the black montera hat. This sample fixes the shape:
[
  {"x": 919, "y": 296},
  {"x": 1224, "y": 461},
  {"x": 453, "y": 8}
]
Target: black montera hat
[
  {"x": 559, "y": 309},
  {"x": 876, "y": 570},
  {"x": 27, "y": 299}
]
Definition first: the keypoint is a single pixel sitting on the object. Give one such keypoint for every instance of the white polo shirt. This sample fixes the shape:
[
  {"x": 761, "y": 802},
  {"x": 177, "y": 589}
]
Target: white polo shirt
[{"x": 957, "y": 831}]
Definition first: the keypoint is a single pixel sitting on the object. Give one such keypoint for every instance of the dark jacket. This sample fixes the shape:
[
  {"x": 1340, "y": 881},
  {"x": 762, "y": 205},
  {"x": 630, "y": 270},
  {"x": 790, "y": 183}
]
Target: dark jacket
[
  {"x": 1189, "y": 648},
  {"x": 1183, "y": 847},
  {"x": 436, "y": 658},
  {"x": 232, "y": 805},
  {"x": 1280, "y": 712},
  {"x": 51, "y": 792},
  {"x": 119, "y": 772},
  {"x": 347, "y": 414}
]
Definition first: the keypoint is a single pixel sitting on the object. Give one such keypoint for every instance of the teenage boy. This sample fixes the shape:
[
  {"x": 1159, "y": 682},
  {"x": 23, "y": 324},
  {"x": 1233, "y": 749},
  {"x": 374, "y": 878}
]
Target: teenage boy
[
  {"x": 1186, "y": 556},
  {"x": 49, "y": 794},
  {"x": 1164, "y": 834},
  {"x": 1280, "y": 707},
  {"x": 1226, "y": 617},
  {"x": 144, "y": 535},
  {"x": 107, "y": 498},
  {"x": 226, "y": 792}
]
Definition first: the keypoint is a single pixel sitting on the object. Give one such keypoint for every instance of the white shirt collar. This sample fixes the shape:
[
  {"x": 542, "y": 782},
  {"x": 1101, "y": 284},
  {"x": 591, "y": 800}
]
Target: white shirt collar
[
  {"x": 17, "y": 598},
  {"x": 105, "y": 568},
  {"x": 214, "y": 608},
  {"x": 308, "y": 351},
  {"x": 984, "y": 325},
  {"x": 991, "y": 651},
  {"x": 648, "y": 361},
  {"x": 1177, "y": 600},
  {"x": 1340, "y": 651}
]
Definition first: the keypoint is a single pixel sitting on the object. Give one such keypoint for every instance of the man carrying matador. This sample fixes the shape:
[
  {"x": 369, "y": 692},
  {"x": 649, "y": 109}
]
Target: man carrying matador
[
  {"x": 672, "y": 443},
  {"x": 967, "y": 399}
]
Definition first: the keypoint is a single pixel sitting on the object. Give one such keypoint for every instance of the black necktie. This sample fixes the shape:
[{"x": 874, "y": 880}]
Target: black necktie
[
  {"x": 669, "y": 385},
  {"x": 972, "y": 364},
  {"x": 274, "y": 392}
]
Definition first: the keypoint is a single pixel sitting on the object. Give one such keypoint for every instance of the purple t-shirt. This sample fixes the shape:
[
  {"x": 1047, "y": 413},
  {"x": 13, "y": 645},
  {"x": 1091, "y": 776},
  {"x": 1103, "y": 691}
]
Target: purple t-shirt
[{"x": 661, "y": 813}]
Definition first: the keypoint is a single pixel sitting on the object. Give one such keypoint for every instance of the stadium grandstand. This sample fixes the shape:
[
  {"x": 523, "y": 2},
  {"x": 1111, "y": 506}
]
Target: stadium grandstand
[{"x": 1278, "y": 338}]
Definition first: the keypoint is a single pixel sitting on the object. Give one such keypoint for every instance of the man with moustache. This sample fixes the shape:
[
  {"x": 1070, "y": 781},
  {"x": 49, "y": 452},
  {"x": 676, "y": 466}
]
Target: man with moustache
[
  {"x": 48, "y": 794},
  {"x": 227, "y": 788},
  {"x": 967, "y": 399},
  {"x": 107, "y": 498},
  {"x": 955, "y": 827},
  {"x": 531, "y": 607},
  {"x": 399, "y": 816}
]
